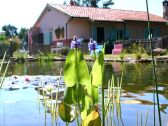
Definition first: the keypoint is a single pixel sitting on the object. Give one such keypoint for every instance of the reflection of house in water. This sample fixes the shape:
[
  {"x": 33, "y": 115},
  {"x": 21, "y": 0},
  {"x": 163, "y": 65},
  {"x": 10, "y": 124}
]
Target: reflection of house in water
[{"x": 117, "y": 68}]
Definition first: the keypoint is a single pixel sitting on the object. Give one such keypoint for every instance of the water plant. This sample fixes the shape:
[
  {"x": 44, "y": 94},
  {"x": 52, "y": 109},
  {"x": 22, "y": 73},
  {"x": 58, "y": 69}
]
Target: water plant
[
  {"x": 4, "y": 73},
  {"x": 138, "y": 55},
  {"x": 82, "y": 88},
  {"x": 155, "y": 83},
  {"x": 122, "y": 54}
]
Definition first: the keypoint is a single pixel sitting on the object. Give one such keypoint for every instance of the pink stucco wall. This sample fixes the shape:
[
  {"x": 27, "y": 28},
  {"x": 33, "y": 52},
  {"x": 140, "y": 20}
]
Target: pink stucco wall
[
  {"x": 79, "y": 27},
  {"x": 51, "y": 21}
]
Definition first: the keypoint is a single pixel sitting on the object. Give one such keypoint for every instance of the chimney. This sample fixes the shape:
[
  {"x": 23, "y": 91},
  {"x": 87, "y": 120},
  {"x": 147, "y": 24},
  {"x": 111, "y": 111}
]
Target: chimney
[{"x": 165, "y": 9}]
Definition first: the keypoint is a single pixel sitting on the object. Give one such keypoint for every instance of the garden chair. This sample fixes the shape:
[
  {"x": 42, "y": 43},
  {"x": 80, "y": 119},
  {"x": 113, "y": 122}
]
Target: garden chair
[{"x": 117, "y": 49}]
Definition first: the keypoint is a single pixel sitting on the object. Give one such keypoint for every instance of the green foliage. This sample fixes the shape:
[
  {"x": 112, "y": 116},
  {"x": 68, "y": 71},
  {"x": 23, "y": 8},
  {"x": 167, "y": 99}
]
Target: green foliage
[
  {"x": 82, "y": 87},
  {"x": 66, "y": 112},
  {"x": 2, "y": 38},
  {"x": 93, "y": 3},
  {"x": 75, "y": 69},
  {"x": 93, "y": 119},
  {"x": 97, "y": 70},
  {"x": 138, "y": 55},
  {"x": 15, "y": 43},
  {"x": 70, "y": 95},
  {"x": 63, "y": 51},
  {"x": 109, "y": 46},
  {"x": 23, "y": 34},
  {"x": 135, "y": 47},
  {"x": 122, "y": 54},
  {"x": 108, "y": 3},
  {"x": 3, "y": 47},
  {"x": 9, "y": 30}
]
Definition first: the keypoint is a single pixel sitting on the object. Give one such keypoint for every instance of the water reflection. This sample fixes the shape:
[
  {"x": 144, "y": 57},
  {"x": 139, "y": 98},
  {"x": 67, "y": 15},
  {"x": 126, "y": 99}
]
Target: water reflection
[
  {"x": 35, "y": 68},
  {"x": 137, "y": 88}
]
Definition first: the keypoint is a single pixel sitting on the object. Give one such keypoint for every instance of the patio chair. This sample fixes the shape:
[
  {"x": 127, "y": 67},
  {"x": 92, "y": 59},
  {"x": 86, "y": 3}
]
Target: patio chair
[{"x": 117, "y": 49}]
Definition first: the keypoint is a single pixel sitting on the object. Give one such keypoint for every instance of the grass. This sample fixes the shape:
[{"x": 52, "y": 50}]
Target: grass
[
  {"x": 132, "y": 56},
  {"x": 87, "y": 56}
]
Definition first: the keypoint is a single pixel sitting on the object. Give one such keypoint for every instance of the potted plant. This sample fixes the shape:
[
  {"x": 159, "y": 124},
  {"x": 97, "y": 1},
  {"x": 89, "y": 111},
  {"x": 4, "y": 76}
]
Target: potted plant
[
  {"x": 62, "y": 32},
  {"x": 57, "y": 32}
]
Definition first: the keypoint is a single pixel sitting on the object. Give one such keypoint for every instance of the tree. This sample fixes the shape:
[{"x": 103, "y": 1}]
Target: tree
[
  {"x": 75, "y": 2},
  {"x": 64, "y": 3},
  {"x": 23, "y": 34},
  {"x": 108, "y": 3},
  {"x": 92, "y": 3},
  {"x": 9, "y": 30}
]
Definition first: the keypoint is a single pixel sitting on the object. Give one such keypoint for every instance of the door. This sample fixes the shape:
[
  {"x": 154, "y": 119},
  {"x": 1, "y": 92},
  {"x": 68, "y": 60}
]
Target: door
[{"x": 100, "y": 34}]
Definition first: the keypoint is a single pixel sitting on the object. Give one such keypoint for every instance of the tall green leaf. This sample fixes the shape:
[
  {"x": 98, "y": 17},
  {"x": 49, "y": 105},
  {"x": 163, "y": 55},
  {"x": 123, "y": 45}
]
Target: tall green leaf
[
  {"x": 97, "y": 70},
  {"x": 70, "y": 95},
  {"x": 95, "y": 95},
  {"x": 75, "y": 69},
  {"x": 87, "y": 102}
]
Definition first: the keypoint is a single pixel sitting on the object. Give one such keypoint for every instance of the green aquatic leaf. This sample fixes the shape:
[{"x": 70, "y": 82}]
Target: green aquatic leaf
[
  {"x": 66, "y": 112},
  {"x": 87, "y": 102},
  {"x": 97, "y": 70},
  {"x": 70, "y": 96},
  {"x": 93, "y": 119},
  {"x": 95, "y": 95},
  {"x": 75, "y": 69}
]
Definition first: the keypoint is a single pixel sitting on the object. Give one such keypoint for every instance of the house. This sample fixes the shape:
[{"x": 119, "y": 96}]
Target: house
[{"x": 59, "y": 23}]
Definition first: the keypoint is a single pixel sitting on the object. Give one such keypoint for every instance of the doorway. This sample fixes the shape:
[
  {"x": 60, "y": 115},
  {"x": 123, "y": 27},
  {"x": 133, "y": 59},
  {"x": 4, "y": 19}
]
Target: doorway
[{"x": 100, "y": 34}]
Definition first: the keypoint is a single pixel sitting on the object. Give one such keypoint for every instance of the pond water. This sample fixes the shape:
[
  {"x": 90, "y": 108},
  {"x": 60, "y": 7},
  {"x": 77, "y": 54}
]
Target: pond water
[{"x": 22, "y": 108}]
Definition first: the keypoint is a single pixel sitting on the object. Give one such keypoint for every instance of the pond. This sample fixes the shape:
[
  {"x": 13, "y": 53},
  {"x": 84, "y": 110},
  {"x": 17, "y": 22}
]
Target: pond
[{"x": 22, "y": 108}]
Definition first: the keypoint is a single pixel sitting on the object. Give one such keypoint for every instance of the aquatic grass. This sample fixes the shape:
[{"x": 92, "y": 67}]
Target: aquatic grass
[
  {"x": 56, "y": 97},
  {"x": 4, "y": 73},
  {"x": 154, "y": 71},
  {"x": 113, "y": 101},
  {"x": 2, "y": 61},
  {"x": 139, "y": 122},
  {"x": 145, "y": 124},
  {"x": 3, "y": 76},
  {"x": 49, "y": 95}
]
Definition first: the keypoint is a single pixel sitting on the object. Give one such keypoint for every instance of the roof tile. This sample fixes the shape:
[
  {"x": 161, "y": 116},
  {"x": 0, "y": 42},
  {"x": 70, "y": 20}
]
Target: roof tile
[{"x": 101, "y": 14}]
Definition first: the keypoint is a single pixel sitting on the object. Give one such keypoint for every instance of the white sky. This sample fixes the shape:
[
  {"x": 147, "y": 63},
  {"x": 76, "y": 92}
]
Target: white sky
[{"x": 24, "y": 13}]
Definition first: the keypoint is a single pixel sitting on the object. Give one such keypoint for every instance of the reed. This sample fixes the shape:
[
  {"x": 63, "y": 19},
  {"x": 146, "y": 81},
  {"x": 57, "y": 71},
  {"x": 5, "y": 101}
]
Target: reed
[
  {"x": 2, "y": 61},
  {"x": 154, "y": 71},
  {"x": 6, "y": 68}
]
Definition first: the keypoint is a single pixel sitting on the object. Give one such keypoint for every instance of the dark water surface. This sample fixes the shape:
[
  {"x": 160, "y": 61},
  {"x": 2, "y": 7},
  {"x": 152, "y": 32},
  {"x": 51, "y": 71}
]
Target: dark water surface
[{"x": 19, "y": 107}]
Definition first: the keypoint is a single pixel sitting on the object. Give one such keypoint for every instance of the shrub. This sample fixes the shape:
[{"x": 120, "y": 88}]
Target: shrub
[
  {"x": 138, "y": 55},
  {"x": 64, "y": 51},
  {"x": 135, "y": 47},
  {"x": 109, "y": 46},
  {"x": 122, "y": 54}
]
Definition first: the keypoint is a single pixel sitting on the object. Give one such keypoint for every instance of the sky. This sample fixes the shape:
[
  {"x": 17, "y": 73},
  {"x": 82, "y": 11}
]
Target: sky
[{"x": 24, "y": 13}]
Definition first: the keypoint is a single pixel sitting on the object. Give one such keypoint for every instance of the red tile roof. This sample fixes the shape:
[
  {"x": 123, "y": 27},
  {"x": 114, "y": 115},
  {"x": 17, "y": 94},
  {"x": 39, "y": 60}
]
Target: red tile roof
[{"x": 101, "y": 14}]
